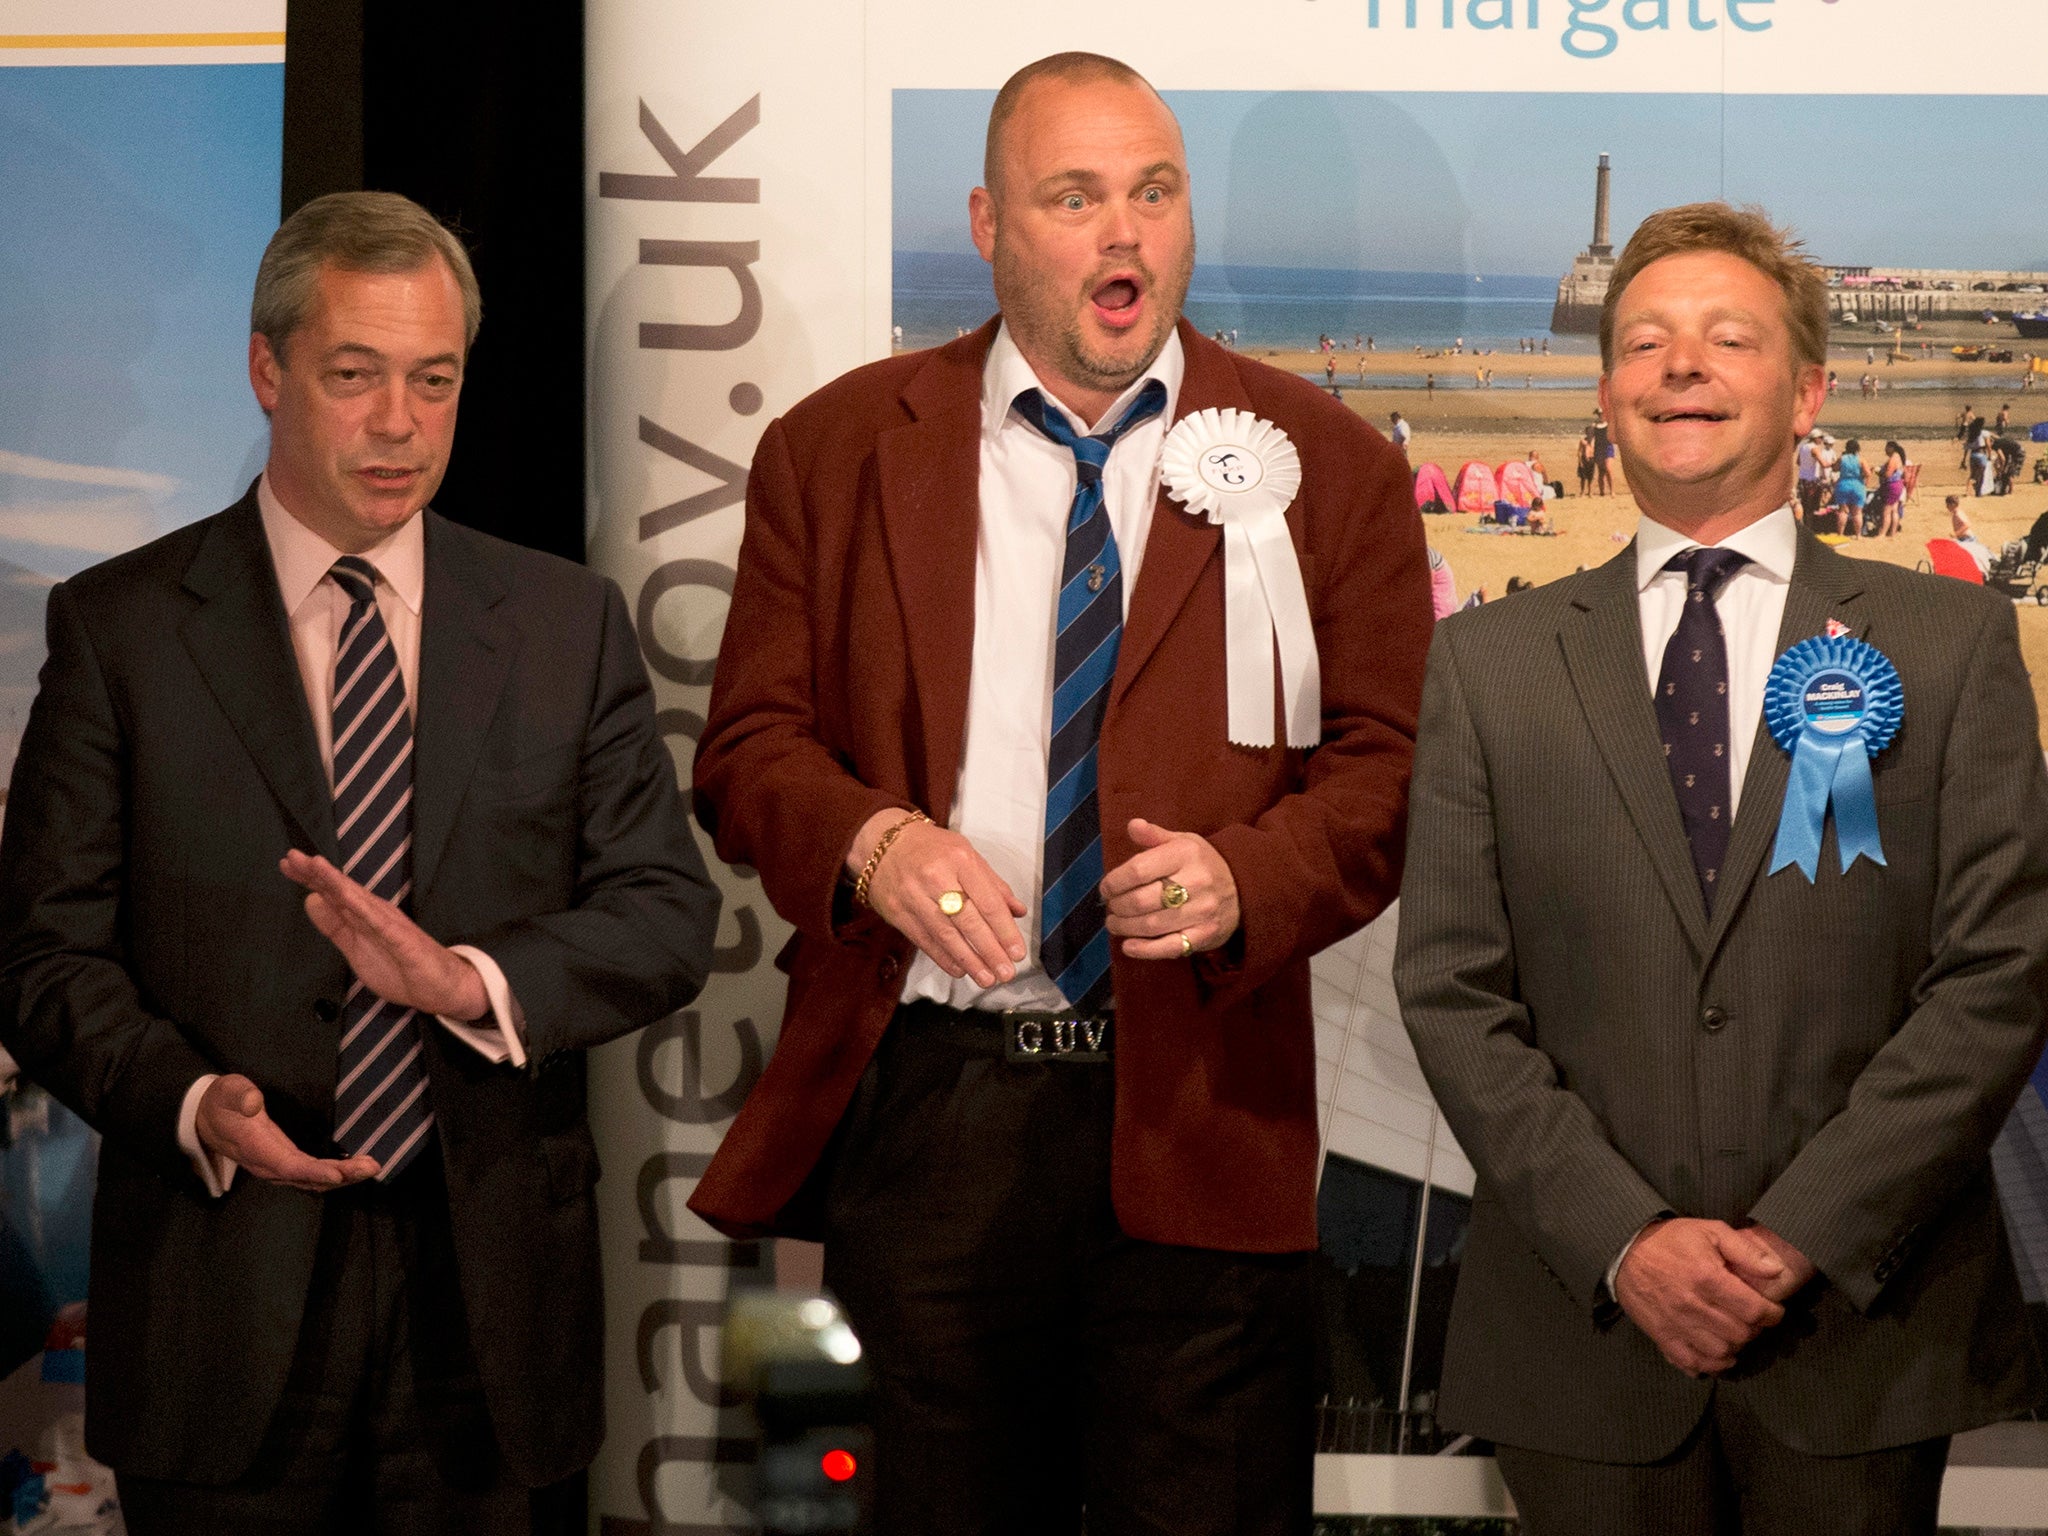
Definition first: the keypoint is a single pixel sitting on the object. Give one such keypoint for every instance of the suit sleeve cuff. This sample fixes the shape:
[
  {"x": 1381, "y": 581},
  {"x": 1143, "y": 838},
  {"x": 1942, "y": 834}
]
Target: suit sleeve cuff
[
  {"x": 1614, "y": 1270},
  {"x": 215, "y": 1171},
  {"x": 502, "y": 1037}
]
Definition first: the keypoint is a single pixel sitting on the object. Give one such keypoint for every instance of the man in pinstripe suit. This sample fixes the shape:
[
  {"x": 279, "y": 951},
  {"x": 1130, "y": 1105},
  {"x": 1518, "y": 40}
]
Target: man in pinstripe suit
[{"x": 1736, "y": 1262}]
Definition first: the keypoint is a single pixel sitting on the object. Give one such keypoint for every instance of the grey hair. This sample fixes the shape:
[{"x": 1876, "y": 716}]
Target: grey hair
[{"x": 357, "y": 232}]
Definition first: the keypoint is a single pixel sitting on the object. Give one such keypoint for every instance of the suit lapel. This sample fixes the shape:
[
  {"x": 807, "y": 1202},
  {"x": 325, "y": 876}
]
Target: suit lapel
[
  {"x": 1824, "y": 585},
  {"x": 1179, "y": 546},
  {"x": 930, "y": 481},
  {"x": 241, "y": 642},
  {"x": 466, "y": 652},
  {"x": 1602, "y": 639}
]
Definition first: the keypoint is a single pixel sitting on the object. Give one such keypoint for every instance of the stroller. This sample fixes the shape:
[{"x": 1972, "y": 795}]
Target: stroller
[{"x": 2016, "y": 571}]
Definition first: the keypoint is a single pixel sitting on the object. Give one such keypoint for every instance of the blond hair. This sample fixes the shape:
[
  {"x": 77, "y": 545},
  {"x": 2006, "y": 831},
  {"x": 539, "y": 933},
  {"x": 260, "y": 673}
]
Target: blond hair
[{"x": 1744, "y": 232}]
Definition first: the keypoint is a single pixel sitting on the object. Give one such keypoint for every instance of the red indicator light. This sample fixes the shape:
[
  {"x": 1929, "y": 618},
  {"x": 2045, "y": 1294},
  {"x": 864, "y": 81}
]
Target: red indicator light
[{"x": 838, "y": 1465}]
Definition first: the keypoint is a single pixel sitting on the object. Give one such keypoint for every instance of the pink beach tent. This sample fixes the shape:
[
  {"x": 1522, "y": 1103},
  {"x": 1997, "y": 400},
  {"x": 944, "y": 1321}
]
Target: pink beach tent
[
  {"x": 1433, "y": 490},
  {"x": 1517, "y": 483},
  {"x": 1477, "y": 491}
]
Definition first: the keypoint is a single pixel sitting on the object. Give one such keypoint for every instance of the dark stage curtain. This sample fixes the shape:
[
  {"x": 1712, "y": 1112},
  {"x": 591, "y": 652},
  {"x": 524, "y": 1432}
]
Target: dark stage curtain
[{"x": 475, "y": 111}]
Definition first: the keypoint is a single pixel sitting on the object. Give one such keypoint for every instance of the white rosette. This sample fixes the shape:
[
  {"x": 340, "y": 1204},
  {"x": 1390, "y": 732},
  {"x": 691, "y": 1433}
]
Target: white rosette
[{"x": 1241, "y": 472}]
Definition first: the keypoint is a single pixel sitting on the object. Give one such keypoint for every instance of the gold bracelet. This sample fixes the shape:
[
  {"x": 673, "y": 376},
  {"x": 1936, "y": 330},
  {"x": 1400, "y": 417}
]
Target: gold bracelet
[{"x": 867, "y": 870}]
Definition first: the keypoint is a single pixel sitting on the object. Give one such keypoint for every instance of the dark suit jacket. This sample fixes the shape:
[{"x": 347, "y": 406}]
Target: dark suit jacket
[
  {"x": 1832, "y": 1059},
  {"x": 842, "y": 690},
  {"x": 147, "y": 937}
]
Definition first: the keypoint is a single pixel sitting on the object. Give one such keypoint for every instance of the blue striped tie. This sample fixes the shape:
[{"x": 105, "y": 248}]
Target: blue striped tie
[
  {"x": 1073, "y": 944},
  {"x": 380, "y": 1094}
]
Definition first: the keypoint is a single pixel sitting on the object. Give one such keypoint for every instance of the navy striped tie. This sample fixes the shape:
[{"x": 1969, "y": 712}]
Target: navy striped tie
[
  {"x": 380, "y": 1094},
  {"x": 1073, "y": 944}
]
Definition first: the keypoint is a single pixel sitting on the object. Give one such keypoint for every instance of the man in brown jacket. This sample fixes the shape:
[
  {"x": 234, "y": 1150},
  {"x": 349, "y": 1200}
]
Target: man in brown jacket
[{"x": 1046, "y": 1080}]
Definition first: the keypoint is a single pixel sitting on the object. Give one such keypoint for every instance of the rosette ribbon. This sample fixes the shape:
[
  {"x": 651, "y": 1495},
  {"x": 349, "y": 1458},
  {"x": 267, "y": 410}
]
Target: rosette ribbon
[
  {"x": 1241, "y": 472},
  {"x": 1833, "y": 703}
]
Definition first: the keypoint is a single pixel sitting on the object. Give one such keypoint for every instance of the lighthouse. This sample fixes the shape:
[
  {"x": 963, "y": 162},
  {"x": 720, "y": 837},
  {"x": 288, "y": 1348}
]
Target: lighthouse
[{"x": 1581, "y": 290}]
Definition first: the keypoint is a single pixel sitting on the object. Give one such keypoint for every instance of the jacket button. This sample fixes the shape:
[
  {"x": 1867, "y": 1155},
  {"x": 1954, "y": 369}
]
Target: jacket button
[
  {"x": 327, "y": 1010},
  {"x": 889, "y": 967},
  {"x": 1713, "y": 1020}
]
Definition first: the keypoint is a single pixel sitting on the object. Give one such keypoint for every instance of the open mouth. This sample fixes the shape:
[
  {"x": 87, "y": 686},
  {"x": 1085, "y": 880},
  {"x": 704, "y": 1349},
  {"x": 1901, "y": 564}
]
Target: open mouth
[
  {"x": 1117, "y": 301},
  {"x": 385, "y": 474},
  {"x": 1664, "y": 418}
]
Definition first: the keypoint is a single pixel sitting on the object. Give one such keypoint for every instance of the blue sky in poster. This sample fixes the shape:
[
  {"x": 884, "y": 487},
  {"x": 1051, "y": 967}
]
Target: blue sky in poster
[
  {"x": 1503, "y": 183},
  {"x": 134, "y": 203}
]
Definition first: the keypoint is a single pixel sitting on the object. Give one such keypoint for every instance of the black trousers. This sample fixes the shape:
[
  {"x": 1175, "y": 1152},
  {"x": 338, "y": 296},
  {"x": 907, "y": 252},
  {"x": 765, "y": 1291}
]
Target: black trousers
[
  {"x": 1731, "y": 1478},
  {"x": 1031, "y": 1361},
  {"x": 382, "y": 1428}
]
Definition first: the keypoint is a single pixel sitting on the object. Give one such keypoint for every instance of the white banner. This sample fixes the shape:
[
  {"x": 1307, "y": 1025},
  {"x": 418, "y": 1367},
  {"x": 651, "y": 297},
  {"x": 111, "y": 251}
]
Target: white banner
[
  {"x": 723, "y": 161},
  {"x": 745, "y": 229}
]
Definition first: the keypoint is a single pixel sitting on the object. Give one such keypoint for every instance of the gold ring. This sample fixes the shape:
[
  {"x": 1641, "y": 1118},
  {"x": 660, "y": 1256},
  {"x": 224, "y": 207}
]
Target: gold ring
[
  {"x": 1187, "y": 945},
  {"x": 1172, "y": 894},
  {"x": 952, "y": 903}
]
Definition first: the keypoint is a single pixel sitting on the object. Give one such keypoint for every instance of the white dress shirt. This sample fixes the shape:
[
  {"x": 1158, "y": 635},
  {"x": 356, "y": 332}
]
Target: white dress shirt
[
  {"x": 315, "y": 606},
  {"x": 1751, "y": 605},
  {"x": 1027, "y": 488}
]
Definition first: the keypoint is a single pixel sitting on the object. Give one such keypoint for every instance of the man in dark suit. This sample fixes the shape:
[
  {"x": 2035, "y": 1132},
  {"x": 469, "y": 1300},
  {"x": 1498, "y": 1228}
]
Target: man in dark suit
[
  {"x": 1736, "y": 1262},
  {"x": 1050, "y": 980},
  {"x": 345, "y": 1270}
]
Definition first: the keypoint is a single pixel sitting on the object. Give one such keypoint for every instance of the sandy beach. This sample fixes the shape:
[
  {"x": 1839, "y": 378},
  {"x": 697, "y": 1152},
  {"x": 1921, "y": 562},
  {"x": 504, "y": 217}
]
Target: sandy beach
[{"x": 1506, "y": 421}]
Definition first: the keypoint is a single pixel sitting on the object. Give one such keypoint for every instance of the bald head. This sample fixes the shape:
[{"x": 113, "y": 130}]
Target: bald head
[{"x": 1071, "y": 68}]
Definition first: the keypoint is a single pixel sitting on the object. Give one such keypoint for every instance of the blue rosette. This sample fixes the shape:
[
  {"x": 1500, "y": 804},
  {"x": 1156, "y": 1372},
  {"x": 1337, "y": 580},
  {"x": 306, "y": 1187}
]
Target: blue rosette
[{"x": 1833, "y": 702}]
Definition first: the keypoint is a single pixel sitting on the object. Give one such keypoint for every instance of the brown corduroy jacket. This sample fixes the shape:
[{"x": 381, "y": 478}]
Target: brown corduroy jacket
[{"x": 842, "y": 689}]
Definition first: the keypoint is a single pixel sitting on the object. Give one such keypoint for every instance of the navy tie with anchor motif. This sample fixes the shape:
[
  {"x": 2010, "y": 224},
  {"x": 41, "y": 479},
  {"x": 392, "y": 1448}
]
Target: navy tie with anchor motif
[
  {"x": 1073, "y": 944},
  {"x": 380, "y": 1103},
  {"x": 1692, "y": 710}
]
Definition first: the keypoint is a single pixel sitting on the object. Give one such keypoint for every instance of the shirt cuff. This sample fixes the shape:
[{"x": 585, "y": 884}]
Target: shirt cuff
[
  {"x": 1614, "y": 1269},
  {"x": 215, "y": 1171},
  {"x": 502, "y": 1037}
]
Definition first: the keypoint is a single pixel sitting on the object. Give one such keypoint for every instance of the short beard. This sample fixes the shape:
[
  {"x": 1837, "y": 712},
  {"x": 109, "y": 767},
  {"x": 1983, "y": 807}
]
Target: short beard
[{"x": 1044, "y": 323}]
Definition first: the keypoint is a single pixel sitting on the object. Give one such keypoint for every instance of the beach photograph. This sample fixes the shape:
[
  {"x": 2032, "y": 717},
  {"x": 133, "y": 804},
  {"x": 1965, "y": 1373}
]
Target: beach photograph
[
  {"x": 1443, "y": 256},
  {"x": 1438, "y": 260}
]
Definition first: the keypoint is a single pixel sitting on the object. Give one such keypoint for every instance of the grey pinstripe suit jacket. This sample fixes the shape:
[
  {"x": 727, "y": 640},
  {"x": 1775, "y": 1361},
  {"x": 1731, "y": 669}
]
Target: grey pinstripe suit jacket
[{"x": 1830, "y": 1059}]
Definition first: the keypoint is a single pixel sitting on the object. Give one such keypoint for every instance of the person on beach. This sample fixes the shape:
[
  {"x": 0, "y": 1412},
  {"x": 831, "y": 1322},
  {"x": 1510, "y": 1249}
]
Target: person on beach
[
  {"x": 1603, "y": 454},
  {"x": 1850, "y": 492},
  {"x": 1811, "y": 478},
  {"x": 1894, "y": 488},
  {"x": 1963, "y": 534},
  {"x": 1586, "y": 452},
  {"x": 1399, "y": 434}
]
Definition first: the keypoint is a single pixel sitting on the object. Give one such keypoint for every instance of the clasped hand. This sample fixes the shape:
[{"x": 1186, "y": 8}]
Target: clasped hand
[
  {"x": 982, "y": 940},
  {"x": 1702, "y": 1290},
  {"x": 392, "y": 956}
]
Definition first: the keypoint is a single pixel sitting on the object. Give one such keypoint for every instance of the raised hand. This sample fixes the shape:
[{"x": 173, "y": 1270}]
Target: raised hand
[
  {"x": 390, "y": 953},
  {"x": 1137, "y": 890}
]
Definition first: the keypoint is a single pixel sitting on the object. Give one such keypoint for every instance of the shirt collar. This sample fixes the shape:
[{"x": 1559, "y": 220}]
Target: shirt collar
[
  {"x": 1771, "y": 542},
  {"x": 303, "y": 558},
  {"x": 1006, "y": 376}
]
